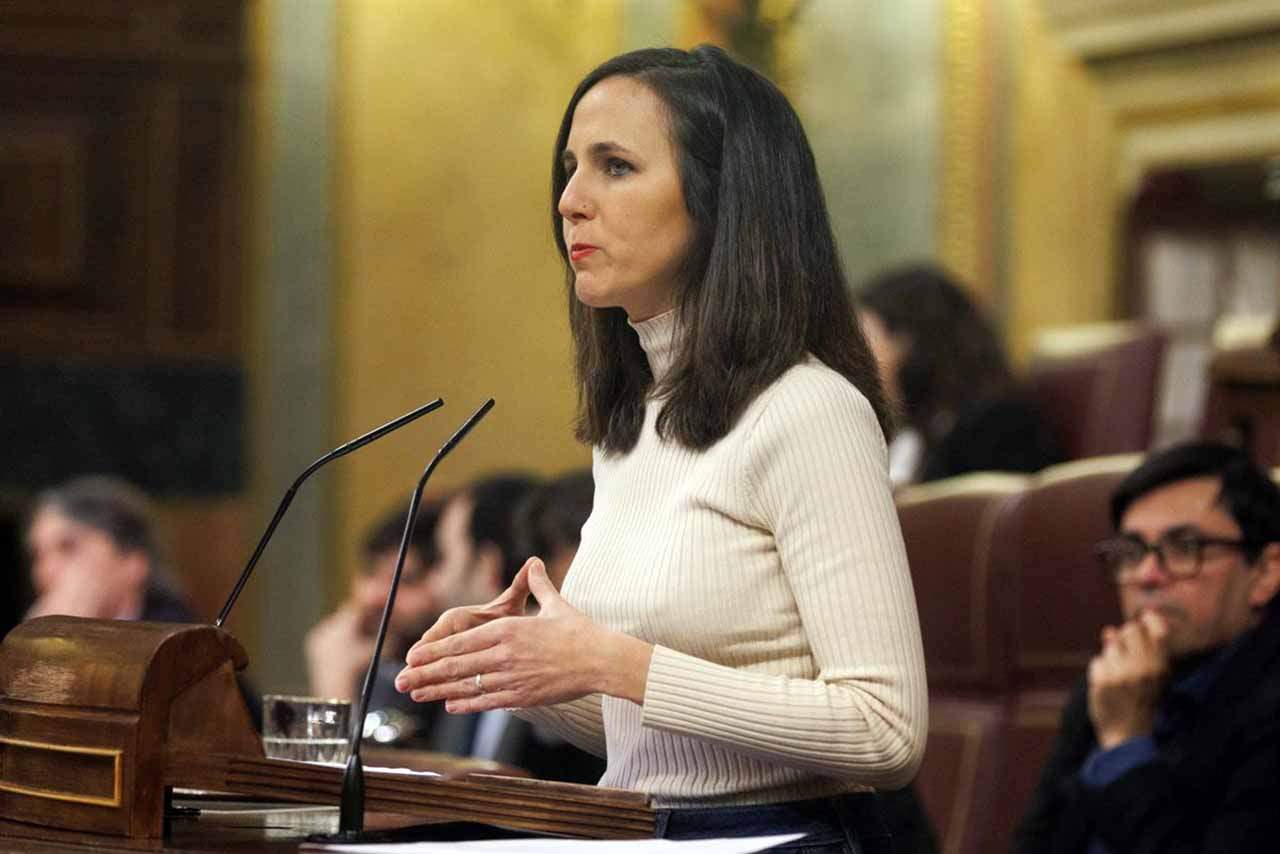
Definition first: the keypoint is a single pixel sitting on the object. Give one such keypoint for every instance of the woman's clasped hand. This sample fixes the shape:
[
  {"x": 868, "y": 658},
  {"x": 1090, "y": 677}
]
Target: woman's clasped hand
[{"x": 496, "y": 656}]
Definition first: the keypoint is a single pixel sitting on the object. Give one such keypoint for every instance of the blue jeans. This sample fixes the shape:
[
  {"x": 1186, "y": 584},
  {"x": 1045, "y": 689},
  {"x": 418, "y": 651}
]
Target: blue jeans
[{"x": 845, "y": 824}]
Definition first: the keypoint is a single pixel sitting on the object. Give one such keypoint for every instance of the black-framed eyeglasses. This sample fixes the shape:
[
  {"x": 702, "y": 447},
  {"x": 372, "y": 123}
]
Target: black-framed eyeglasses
[{"x": 1180, "y": 553}]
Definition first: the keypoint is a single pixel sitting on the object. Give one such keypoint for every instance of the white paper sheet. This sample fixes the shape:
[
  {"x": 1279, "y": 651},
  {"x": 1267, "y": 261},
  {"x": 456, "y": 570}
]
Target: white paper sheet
[
  {"x": 744, "y": 845},
  {"x": 408, "y": 772}
]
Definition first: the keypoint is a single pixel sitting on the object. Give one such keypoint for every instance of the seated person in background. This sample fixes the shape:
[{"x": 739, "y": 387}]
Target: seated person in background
[
  {"x": 476, "y": 542},
  {"x": 942, "y": 364},
  {"x": 1171, "y": 743},
  {"x": 94, "y": 553},
  {"x": 480, "y": 554},
  {"x": 339, "y": 647},
  {"x": 549, "y": 522},
  {"x": 476, "y": 539}
]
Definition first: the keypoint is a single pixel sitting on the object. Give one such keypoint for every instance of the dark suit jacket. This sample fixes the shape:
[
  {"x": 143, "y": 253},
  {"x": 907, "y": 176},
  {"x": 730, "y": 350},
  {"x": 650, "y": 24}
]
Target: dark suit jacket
[
  {"x": 1215, "y": 786},
  {"x": 160, "y": 605},
  {"x": 543, "y": 755},
  {"x": 1002, "y": 434}
]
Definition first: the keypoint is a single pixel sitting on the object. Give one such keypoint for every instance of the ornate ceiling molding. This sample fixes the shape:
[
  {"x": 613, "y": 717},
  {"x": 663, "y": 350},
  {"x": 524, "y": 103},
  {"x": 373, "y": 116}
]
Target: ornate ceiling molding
[{"x": 1097, "y": 30}]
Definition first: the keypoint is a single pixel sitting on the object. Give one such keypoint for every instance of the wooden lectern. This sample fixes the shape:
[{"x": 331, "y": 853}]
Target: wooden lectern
[{"x": 100, "y": 718}]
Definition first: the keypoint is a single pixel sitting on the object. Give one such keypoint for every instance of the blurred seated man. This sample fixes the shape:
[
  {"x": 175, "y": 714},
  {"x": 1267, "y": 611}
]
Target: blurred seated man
[
  {"x": 549, "y": 525},
  {"x": 482, "y": 547},
  {"x": 1171, "y": 743},
  {"x": 94, "y": 553},
  {"x": 477, "y": 542},
  {"x": 339, "y": 647},
  {"x": 478, "y": 560},
  {"x": 549, "y": 522}
]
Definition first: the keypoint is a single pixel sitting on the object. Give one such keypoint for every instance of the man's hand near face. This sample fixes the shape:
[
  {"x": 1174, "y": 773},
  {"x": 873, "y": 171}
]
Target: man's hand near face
[
  {"x": 1127, "y": 677},
  {"x": 338, "y": 651},
  {"x": 83, "y": 588}
]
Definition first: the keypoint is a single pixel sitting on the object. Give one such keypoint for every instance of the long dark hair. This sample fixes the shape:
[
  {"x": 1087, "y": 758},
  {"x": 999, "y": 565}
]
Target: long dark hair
[
  {"x": 763, "y": 283},
  {"x": 953, "y": 357}
]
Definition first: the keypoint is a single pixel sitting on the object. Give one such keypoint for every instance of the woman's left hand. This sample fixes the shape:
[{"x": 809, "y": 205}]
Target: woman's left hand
[{"x": 517, "y": 662}]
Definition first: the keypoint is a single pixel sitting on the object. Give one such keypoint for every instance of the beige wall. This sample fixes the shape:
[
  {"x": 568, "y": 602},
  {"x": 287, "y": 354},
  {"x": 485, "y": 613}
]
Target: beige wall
[
  {"x": 864, "y": 78},
  {"x": 1060, "y": 237},
  {"x": 449, "y": 284},
  {"x": 1025, "y": 171},
  {"x": 290, "y": 359},
  {"x": 1092, "y": 115}
]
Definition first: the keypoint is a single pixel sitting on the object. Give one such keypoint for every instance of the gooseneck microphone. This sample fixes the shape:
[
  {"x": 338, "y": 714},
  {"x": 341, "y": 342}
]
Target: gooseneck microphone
[
  {"x": 351, "y": 816},
  {"x": 340, "y": 451}
]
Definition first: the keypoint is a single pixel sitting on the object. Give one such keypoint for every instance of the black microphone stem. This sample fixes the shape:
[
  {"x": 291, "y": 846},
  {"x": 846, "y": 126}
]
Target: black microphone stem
[
  {"x": 351, "y": 816},
  {"x": 340, "y": 451}
]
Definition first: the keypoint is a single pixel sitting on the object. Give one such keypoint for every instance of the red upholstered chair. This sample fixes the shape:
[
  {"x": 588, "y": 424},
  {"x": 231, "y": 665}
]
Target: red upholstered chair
[
  {"x": 962, "y": 575},
  {"x": 1063, "y": 600},
  {"x": 962, "y": 569},
  {"x": 960, "y": 782},
  {"x": 1031, "y": 726},
  {"x": 1244, "y": 401},
  {"x": 1097, "y": 385}
]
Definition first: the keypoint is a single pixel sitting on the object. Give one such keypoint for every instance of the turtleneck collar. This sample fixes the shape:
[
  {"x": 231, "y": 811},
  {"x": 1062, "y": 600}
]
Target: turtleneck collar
[{"x": 658, "y": 340}]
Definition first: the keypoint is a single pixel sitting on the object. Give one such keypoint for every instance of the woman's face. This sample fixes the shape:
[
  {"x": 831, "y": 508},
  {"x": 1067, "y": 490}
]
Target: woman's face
[
  {"x": 624, "y": 218},
  {"x": 889, "y": 349}
]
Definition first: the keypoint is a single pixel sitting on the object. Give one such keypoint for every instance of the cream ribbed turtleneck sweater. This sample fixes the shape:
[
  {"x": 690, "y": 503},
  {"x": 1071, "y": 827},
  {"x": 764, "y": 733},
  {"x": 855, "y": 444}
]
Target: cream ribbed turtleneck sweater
[{"x": 770, "y": 575}]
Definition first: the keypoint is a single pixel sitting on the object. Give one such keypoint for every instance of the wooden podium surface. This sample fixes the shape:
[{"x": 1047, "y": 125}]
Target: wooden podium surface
[
  {"x": 279, "y": 830},
  {"x": 205, "y": 834},
  {"x": 100, "y": 721}
]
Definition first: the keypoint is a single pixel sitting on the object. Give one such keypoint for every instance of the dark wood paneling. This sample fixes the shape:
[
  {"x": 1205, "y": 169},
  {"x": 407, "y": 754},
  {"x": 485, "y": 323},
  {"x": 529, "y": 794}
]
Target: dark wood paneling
[
  {"x": 189, "y": 32},
  {"x": 121, "y": 271},
  {"x": 120, "y": 178}
]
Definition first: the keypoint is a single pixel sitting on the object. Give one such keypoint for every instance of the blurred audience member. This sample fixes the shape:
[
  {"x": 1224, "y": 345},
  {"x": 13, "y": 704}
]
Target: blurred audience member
[
  {"x": 477, "y": 541},
  {"x": 482, "y": 547},
  {"x": 549, "y": 522},
  {"x": 943, "y": 365},
  {"x": 1171, "y": 742},
  {"x": 339, "y": 647},
  {"x": 94, "y": 553}
]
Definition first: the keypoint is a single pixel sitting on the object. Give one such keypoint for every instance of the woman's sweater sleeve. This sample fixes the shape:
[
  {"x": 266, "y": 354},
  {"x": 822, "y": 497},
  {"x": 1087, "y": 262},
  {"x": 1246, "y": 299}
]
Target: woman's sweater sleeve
[
  {"x": 580, "y": 722},
  {"x": 815, "y": 465}
]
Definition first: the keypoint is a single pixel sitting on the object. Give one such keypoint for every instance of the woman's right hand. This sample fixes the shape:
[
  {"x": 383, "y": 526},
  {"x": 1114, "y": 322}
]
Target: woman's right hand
[{"x": 509, "y": 603}]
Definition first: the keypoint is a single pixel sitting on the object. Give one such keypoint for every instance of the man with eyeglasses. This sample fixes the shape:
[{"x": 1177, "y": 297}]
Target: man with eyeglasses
[{"x": 1172, "y": 741}]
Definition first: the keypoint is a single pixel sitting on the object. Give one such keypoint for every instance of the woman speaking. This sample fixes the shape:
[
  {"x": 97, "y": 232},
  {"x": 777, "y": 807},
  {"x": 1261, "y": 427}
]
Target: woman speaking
[{"x": 737, "y": 633}]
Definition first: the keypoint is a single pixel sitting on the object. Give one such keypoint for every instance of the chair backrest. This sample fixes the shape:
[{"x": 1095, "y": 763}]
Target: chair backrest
[
  {"x": 1243, "y": 405},
  {"x": 1097, "y": 385},
  {"x": 1063, "y": 599},
  {"x": 962, "y": 573},
  {"x": 960, "y": 779}
]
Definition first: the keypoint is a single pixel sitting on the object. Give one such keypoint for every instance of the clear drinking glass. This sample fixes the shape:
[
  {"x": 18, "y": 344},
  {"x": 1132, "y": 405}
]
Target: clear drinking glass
[{"x": 308, "y": 729}]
